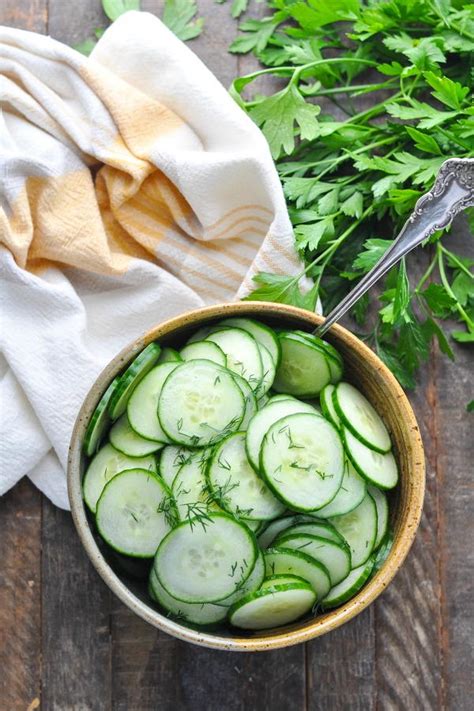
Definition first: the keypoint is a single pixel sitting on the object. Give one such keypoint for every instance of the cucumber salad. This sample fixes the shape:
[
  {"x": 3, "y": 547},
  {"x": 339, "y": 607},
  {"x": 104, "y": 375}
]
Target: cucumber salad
[{"x": 242, "y": 476}]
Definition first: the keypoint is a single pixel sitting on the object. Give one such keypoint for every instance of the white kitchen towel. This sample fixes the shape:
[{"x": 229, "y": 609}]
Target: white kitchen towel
[{"x": 132, "y": 188}]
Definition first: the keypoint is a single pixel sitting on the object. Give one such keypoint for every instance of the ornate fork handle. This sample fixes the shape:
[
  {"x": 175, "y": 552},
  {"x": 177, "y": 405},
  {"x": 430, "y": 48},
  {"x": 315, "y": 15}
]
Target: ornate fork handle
[{"x": 452, "y": 192}]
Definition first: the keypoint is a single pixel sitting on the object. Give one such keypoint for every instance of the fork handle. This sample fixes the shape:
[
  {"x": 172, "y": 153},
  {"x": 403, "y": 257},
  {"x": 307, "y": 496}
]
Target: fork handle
[{"x": 452, "y": 192}]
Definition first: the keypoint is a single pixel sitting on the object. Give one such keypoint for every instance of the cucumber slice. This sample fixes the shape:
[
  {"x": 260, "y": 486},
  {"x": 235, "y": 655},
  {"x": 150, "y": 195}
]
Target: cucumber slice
[
  {"x": 262, "y": 334},
  {"x": 143, "y": 404},
  {"x": 253, "y": 582},
  {"x": 349, "y": 496},
  {"x": 169, "y": 355},
  {"x": 379, "y": 469},
  {"x": 200, "y": 404},
  {"x": 381, "y": 505},
  {"x": 127, "y": 441},
  {"x": 271, "y": 530},
  {"x": 269, "y": 370},
  {"x": 284, "y": 560},
  {"x": 302, "y": 460},
  {"x": 242, "y": 353},
  {"x": 129, "y": 380},
  {"x": 272, "y": 607},
  {"x": 106, "y": 464},
  {"x": 264, "y": 419},
  {"x": 235, "y": 485},
  {"x": 189, "y": 487},
  {"x": 250, "y": 400},
  {"x": 273, "y": 580},
  {"x": 383, "y": 551},
  {"x": 193, "y": 613},
  {"x": 99, "y": 421},
  {"x": 335, "y": 557},
  {"x": 358, "y": 415},
  {"x": 255, "y": 526},
  {"x": 333, "y": 357},
  {"x": 325, "y": 397},
  {"x": 204, "y": 350},
  {"x": 171, "y": 460},
  {"x": 359, "y": 528},
  {"x": 206, "y": 561},
  {"x": 350, "y": 586},
  {"x": 312, "y": 528},
  {"x": 303, "y": 370},
  {"x": 128, "y": 516}
]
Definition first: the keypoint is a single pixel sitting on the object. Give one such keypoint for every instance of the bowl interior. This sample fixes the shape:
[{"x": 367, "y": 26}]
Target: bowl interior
[{"x": 363, "y": 369}]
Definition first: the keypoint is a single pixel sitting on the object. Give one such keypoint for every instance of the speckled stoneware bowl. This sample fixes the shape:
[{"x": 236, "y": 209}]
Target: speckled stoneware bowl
[{"x": 368, "y": 373}]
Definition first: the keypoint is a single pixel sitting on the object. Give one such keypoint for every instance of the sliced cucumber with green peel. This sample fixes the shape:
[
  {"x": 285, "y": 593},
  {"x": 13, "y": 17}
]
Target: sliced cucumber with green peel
[
  {"x": 360, "y": 417},
  {"x": 99, "y": 421},
  {"x": 383, "y": 551},
  {"x": 200, "y": 404},
  {"x": 348, "y": 587},
  {"x": 251, "y": 406},
  {"x": 303, "y": 369},
  {"x": 335, "y": 557},
  {"x": 235, "y": 485},
  {"x": 189, "y": 487},
  {"x": 273, "y": 580},
  {"x": 377, "y": 468},
  {"x": 206, "y": 561},
  {"x": 242, "y": 353},
  {"x": 128, "y": 513},
  {"x": 312, "y": 528},
  {"x": 262, "y": 334},
  {"x": 271, "y": 607},
  {"x": 169, "y": 355},
  {"x": 264, "y": 419},
  {"x": 272, "y": 529},
  {"x": 302, "y": 461},
  {"x": 204, "y": 350},
  {"x": 333, "y": 357},
  {"x": 129, "y": 380},
  {"x": 359, "y": 528},
  {"x": 172, "y": 459},
  {"x": 350, "y": 494},
  {"x": 285, "y": 561},
  {"x": 255, "y": 526},
  {"x": 126, "y": 440},
  {"x": 381, "y": 504},
  {"x": 269, "y": 370},
  {"x": 194, "y": 613},
  {"x": 327, "y": 406},
  {"x": 143, "y": 404},
  {"x": 106, "y": 464},
  {"x": 253, "y": 582}
]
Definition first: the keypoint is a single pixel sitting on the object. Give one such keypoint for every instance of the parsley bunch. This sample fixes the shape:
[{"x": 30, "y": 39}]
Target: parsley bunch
[{"x": 351, "y": 176}]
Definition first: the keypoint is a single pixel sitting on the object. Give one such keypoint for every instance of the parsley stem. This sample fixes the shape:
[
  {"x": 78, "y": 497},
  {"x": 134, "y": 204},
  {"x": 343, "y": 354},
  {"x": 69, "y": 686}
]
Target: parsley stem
[
  {"x": 458, "y": 263},
  {"x": 447, "y": 286},
  {"x": 336, "y": 161},
  {"x": 362, "y": 88},
  {"x": 427, "y": 274}
]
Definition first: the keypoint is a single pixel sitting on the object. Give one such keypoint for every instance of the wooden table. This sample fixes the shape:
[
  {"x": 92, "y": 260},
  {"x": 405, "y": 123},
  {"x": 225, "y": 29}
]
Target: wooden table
[{"x": 67, "y": 644}]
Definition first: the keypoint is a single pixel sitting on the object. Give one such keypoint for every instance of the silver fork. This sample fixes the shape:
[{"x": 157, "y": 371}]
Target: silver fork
[{"x": 452, "y": 192}]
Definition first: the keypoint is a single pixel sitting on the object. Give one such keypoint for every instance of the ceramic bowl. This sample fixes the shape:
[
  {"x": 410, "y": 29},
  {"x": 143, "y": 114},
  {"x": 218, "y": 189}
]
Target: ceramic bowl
[{"x": 365, "y": 370}]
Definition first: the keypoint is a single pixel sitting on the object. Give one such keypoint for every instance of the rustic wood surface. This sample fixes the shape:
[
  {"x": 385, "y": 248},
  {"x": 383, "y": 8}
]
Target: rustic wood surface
[{"x": 66, "y": 644}]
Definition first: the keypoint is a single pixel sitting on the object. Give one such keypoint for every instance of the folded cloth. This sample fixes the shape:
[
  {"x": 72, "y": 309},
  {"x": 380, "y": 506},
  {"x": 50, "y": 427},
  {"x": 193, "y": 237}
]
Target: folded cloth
[{"x": 132, "y": 188}]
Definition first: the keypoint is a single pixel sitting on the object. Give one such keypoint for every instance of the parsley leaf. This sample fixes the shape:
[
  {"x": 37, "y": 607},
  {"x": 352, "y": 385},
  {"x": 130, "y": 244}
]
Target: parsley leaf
[
  {"x": 114, "y": 8},
  {"x": 180, "y": 17}
]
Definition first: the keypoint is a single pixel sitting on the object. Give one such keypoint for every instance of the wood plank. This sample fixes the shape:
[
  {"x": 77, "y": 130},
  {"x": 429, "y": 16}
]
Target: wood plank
[
  {"x": 25, "y": 14},
  {"x": 20, "y": 597},
  {"x": 20, "y": 515},
  {"x": 77, "y": 22},
  {"x": 341, "y": 667},
  {"x": 76, "y": 637},
  {"x": 152, "y": 669},
  {"x": 454, "y": 444},
  {"x": 408, "y": 614}
]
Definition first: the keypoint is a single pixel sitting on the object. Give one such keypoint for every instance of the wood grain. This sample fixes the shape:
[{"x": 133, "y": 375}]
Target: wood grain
[
  {"x": 20, "y": 597},
  {"x": 76, "y": 643},
  {"x": 411, "y": 650}
]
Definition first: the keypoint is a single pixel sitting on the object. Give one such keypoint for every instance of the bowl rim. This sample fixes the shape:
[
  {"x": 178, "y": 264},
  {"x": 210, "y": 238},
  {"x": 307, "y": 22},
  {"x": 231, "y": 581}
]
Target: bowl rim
[{"x": 287, "y": 637}]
